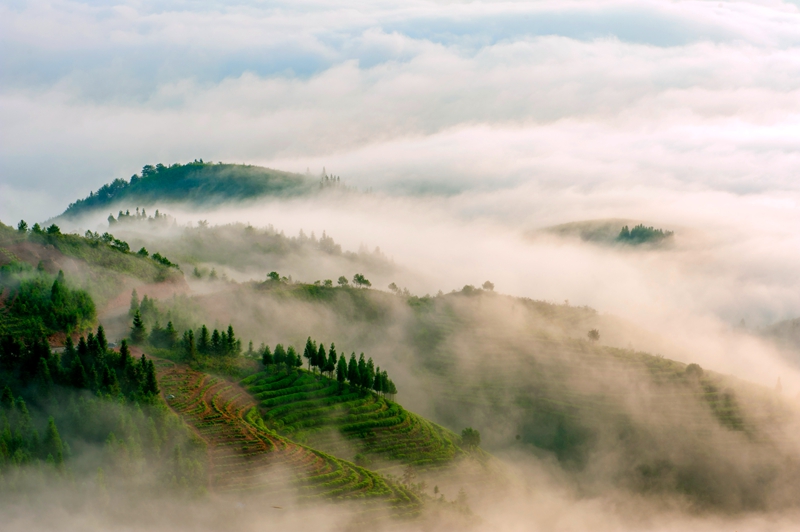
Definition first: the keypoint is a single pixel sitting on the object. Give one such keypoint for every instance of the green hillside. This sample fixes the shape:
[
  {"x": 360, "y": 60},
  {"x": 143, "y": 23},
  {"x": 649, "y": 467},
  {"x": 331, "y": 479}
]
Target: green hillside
[
  {"x": 196, "y": 182},
  {"x": 615, "y": 231},
  {"x": 347, "y": 421}
]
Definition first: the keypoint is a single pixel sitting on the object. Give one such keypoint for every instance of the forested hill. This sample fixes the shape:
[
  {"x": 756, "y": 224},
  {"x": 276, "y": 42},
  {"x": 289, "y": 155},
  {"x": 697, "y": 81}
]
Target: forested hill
[{"x": 198, "y": 182}]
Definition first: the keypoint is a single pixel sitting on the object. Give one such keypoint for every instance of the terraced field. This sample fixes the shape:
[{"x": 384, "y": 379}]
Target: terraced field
[
  {"x": 344, "y": 421},
  {"x": 246, "y": 458}
]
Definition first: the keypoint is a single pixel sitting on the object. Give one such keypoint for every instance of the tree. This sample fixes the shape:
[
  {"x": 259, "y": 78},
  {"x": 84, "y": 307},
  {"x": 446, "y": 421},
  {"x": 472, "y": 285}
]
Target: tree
[
  {"x": 393, "y": 288},
  {"x": 362, "y": 371},
  {"x": 360, "y": 280},
  {"x": 342, "y": 281},
  {"x": 321, "y": 358},
  {"x": 376, "y": 382},
  {"x": 593, "y": 335},
  {"x": 368, "y": 377},
  {"x": 216, "y": 343},
  {"x": 233, "y": 347},
  {"x": 78, "y": 376},
  {"x": 22, "y": 226},
  {"x": 391, "y": 389},
  {"x": 171, "y": 335},
  {"x": 274, "y": 276},
  {"x": 266, "y": 357},
  {"x": 134, "y": 303},
  {"x": 470, "y": 438},
  {"x": 352, "y": 371},
  {"x": 291, "y": 358},
  {"x": 309, "y": 352},
  {"x": 102, "y": 343},
  {"x": 341, "y": 370},
  {"x": 138, "y": 331},
  {"x": 488, "y": 285},
  {"x": 204, "y": 341},
  {"x": 189, "y": 349},
  {"x": 330, "y": 365},
  {"x": 280, "y": 354},
  {"x": 52, "y": 443}
]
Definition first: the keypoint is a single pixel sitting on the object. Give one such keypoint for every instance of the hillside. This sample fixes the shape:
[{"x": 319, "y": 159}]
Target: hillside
[
  {"x": 525, "y": 374},
  {"x": 196, "y": 182}
]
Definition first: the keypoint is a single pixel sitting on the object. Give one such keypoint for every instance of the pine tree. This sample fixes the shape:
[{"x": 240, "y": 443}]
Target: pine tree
[
  {"x": 124, "y": 356},
  {"x": 309, "y": 352},
  {"x": 330, "y": 365},
  {"x": 44, "y": 381},
  {"x": 204, "y": 341},
  {"x": 171, "y": 335},
  {"x": 69, "y": 351},
  {"x": 280, "y": 354},
  {"x": 189, "y": 349},
  {"x": 102, "y": 343},
  {"x": 291, "y": 358},
  {"x": 52, "y": 444},
  {"x": 78, "y": 376},
  {"x": 362, "y": 370},
  {"x": 341, "y": 370},
  {"x": 233, "y": 347},
  {"x": 151, "y": 383},
  {"x": 266, "y": 357},
  {"x": 368, "y": 378},
  {"x": 134, "y": 308},
  {"x": 138, "y": 331},
  {"x": 216, "y": 342},
  {"x": 376, "y": 383},
  {"x": 352, "y": 371},
  {"x": 321, "y": 358}
]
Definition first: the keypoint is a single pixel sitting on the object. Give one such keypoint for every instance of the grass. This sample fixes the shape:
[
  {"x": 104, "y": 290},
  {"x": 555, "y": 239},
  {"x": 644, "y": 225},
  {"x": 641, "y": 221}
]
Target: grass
[{"x": 345, "y": 420}]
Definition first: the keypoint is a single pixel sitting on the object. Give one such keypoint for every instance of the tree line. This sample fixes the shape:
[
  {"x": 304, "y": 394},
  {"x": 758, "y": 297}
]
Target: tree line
[{"x": 361, "y": 373}]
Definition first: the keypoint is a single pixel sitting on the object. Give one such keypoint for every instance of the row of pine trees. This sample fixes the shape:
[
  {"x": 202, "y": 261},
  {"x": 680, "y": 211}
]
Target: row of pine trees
[{"x": 361, "y": 373}]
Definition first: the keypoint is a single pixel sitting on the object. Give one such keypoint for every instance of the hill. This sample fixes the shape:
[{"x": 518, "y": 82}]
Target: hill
[
  {"x": 196, "y": 182},
  {"x": 615, "y": 231},
  {"x": 526, "y": 375}
]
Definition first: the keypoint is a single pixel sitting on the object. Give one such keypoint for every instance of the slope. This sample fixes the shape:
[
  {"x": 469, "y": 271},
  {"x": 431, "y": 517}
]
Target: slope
[
  {"x": 245, "y": 457},
  {"x": 196, "y": 182}
]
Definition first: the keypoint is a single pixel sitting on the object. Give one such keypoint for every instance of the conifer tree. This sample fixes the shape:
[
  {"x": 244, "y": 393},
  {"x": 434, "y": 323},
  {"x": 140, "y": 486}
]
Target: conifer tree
[
  {"x": 352, "y": 371},
  {"x": 266, "y": 357},
  {"x": 204, "y": 341},
  {"x": 216, "y": 342},
  {"x": 362, "y": 370},
  {"x": 341, "y": 370},
  {"x": 368, "y": 378},
  {"x": 321, "y": 358},
  {"x": 330, "y": 364},
  {"x": 291, "y": 358},
  {"x": 124, "y": 356},
  {"x": 78, "y": 376},
  {"x": 233, "y": 346},
  {"x": 138, "y": 331},
  {"x": 52, "y": 444},
  {"x": 171, "y": 335},
  {"x": 44, "y": 381},
  {"x": 189, "y": 349},
  {"x": 309, "y": 352},
  {"x": 83, "y": 349},
  {"x": 151, "y": 383},
  {"x": 134, "y": 303},
  {"x": 376, "y": 383},
  {"x": 102, "y": 342},
  {"x": 69, "y": 351},
  {"x": 280, "y": 354}
]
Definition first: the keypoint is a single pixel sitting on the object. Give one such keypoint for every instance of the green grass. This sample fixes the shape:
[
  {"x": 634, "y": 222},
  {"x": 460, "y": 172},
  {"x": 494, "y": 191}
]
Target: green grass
[{"x": 340, "y": 418}]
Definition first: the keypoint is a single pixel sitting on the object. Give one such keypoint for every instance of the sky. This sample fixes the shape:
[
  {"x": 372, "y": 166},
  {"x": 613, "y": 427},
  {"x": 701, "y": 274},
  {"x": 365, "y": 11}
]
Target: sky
[{"x": 411, "y": 98}]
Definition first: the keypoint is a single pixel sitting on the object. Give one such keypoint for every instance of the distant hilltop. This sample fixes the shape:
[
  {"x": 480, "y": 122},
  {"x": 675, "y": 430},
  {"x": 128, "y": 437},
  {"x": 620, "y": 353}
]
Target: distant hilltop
[
  {"x": 201, "y": 183},
  {"x": 612, "y": 231}
]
